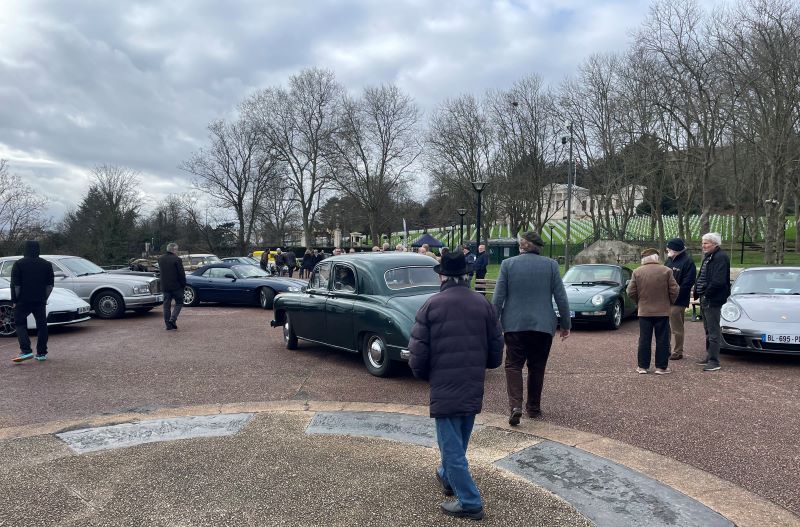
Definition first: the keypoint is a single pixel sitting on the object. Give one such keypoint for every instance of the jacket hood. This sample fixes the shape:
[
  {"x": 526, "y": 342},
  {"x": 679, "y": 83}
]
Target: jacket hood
[{"x": 31, "y": 249}]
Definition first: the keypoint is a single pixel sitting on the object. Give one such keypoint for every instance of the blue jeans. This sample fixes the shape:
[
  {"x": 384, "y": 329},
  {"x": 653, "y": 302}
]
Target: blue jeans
[{"x": 452, "y": 434}]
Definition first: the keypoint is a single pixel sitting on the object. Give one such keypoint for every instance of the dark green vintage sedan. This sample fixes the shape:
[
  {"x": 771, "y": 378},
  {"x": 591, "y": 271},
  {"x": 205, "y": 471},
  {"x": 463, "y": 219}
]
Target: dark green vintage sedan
[
  {"x": 597, "y": 294},
  {"x": 363, "y": 303}
]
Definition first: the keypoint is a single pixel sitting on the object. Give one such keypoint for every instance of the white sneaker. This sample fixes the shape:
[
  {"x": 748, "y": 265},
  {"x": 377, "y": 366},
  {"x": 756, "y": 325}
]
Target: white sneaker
[
  {"x": 641, "y": 370},
  {"x": 663, "y": 371}
]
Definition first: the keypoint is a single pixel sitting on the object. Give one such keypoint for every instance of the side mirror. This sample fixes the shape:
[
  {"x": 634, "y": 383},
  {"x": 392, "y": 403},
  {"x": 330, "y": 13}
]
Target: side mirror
[
  {"x": 230, "y": 275},
  {"x": 59, "y": 274},
  {"x": 627, "y": 283}
]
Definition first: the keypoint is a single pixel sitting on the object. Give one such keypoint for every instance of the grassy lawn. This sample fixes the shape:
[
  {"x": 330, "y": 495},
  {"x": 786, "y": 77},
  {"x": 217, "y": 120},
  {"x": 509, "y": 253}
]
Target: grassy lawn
[{"x": 751, "y": 259}]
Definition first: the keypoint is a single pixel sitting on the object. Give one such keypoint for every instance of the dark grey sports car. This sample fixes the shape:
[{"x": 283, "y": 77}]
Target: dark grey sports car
[{"x": 236, "y": 284}]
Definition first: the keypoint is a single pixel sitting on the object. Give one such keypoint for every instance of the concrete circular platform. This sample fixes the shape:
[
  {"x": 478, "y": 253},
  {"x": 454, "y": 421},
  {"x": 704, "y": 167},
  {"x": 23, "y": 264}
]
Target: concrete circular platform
[{"x": 272, "y": 472}]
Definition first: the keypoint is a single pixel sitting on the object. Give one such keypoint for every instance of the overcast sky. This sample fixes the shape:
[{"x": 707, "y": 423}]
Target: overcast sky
[{"x": 135, "y": 84}]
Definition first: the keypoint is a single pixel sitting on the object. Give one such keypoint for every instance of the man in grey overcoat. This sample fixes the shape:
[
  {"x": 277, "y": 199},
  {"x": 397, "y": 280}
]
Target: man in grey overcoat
[{"x": 523, "y": 297}]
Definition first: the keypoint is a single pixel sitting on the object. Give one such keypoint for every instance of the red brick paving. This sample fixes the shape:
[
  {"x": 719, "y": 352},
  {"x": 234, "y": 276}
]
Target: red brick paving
[{"x": 741, "y": 423}]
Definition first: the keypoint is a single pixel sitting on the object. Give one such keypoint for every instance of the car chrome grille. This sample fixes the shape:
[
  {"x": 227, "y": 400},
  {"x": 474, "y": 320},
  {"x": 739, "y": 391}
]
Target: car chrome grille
[{"x": 155, "y": 286}]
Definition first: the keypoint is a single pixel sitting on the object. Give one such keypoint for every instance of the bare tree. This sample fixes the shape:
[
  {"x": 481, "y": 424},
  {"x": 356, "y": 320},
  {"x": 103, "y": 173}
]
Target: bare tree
[
  {"x": 462, "y": 149},
  {"x": 524, "y": 118},
  {"x": 297, "y": 124},
  {"x": 676, "y": 39},
  {"x": 20, "y": 207},
  {"x": 760, "y": 43},
  {"x": 279, "y": 214},
  {"x": 236, "y": 173},
  {"x": 375, "y": 146}
]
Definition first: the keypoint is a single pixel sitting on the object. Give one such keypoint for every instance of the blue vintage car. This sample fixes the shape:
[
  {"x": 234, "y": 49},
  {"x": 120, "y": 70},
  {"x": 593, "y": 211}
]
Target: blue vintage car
[
  {"x": 363, "y": 303},
  {"x": 236, "y": 284}
]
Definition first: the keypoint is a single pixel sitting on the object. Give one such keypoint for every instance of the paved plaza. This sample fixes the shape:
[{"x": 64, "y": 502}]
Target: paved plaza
[{"x": 725, "y": 442}]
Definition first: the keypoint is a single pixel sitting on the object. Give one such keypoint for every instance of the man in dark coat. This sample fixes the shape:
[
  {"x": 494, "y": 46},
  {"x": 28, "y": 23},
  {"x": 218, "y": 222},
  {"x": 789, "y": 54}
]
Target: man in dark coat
[
  {"x": 31, "y": 284},
  {"x": 455, "y": 338},
  {"x": 290, "y": 260},
  {"x": 684, "y": 271},
  {"x": 481, "y": 262},
  {"x": 264, "y": 261},
  {"x": 173, "y": 281},
  {"x": 279, "y": 262},
  {"x": 713, "y": 287}
]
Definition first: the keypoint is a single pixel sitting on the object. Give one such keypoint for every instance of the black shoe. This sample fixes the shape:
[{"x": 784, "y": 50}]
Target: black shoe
[
  {"x": 676, "y": 356},
  {"x": 515, "y": 416},
  {"x": 172, "y": 325},
  {"x": 447, "y": 490},
  {"x": 454, "y": 508},
  {"x": 533, "y": 414}
]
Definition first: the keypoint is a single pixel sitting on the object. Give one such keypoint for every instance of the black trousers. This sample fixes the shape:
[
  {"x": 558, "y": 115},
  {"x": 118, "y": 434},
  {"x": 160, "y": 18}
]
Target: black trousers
[
  {"x": 21, "y": 313},
  {"x": 532, "y": 347},
  {"x": 171, "y": 313},
  {"x": 648, "y": 326}
]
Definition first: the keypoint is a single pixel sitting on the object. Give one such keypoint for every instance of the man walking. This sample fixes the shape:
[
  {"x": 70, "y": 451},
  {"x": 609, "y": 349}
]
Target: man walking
[
  {"x": 173, "y": 281},
  {"x": 455, "y": 338},
  {"x": 31, "y": 284},
  {"x": 523, "y": 296},
  {"x": 713, "y": 287},
  {"x": 685, "y": 272},
  {"x": 279, "y": 261},
  {"x": 654, "y": 290},
  {"x": 470, "y": 262}
]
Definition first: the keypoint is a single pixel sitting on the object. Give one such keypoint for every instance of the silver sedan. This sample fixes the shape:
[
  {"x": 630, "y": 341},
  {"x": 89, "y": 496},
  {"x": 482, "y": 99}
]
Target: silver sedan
[{"x": 763, "y": 312}]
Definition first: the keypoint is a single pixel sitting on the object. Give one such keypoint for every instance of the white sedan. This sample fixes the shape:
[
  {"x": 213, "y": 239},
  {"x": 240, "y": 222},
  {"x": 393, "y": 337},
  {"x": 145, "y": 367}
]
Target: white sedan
[{"x": 63, "y": 307}]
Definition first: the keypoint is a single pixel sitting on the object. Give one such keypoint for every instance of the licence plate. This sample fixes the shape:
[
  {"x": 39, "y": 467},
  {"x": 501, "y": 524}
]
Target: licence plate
[
  {"x": 780, "y": 338},
  {"x": 159, "y": 298}
]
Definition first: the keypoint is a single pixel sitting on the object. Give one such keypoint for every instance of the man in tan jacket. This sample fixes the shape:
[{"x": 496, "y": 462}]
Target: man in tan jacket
[{"x": 654, "y": 289}]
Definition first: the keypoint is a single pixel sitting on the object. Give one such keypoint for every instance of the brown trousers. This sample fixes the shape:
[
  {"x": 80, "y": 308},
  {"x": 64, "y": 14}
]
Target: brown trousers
[
  {"x": 676, "y": 314},
  {"x": 532, "y": 347}
]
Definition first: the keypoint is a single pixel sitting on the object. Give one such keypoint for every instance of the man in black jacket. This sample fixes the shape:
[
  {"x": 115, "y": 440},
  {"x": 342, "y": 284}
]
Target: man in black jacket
[
  {"x": 31, "y": 284},
  {"x": 173, "y": 281},
  {"x": 290, "y": 260},
  {"x": 713, "y": 287},
  {"x": 684, "y": 271},
  {"x": 455, "y": 338}
]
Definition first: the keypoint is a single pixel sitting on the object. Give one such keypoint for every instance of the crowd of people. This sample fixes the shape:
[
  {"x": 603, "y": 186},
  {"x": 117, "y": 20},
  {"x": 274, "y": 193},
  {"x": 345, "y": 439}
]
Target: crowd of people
[{"x": 458, "y": 335}]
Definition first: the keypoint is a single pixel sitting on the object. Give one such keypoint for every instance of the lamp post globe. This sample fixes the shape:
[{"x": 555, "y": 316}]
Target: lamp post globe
[{"x": 462, "y": 212}]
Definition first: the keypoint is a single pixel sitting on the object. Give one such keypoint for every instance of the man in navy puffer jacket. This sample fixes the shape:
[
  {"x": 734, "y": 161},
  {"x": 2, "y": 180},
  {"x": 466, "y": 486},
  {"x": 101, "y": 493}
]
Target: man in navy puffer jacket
[{"x": 455, "y": 338}]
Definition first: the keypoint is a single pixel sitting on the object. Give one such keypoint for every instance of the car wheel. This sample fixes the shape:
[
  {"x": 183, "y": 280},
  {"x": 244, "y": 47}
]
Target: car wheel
[
  {"x": 190, "y": 297},
  {"x": 289, "y": 337},
  {"x": 266, "y": 297},
  {"x": 108, "y": 304},
  {"x": 376, "y": 355},
  {"x": 142, "y": 310},
  {"x": 8, "y": 327},
  {"x": 616, "y": 315}
]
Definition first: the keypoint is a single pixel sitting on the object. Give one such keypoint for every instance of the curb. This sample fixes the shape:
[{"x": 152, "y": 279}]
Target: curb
[{"x": 742, "y": 507}]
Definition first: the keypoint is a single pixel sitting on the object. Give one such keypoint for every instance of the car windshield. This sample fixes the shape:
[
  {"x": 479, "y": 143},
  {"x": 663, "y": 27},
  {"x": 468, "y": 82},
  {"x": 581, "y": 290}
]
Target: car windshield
[
  {"x": 80, "y": 266},
  {"x": 4, "y": 283},
  {"x": 196, "y": 260},
  {"x": 249, "y": 271},
  {"x": 768, "y": 282},
  {"x": 405, "y": 277},
  {"x": 594, "y": 274}
]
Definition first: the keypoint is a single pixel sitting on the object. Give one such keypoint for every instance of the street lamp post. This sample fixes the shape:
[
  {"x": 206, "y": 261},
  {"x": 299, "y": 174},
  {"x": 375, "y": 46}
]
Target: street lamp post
[
  {"x": 461, "y": 213},
  {"x": 551, "y": 240},
  {"x": 570, "y": 177},
  {"x": 478, "y": 186}
]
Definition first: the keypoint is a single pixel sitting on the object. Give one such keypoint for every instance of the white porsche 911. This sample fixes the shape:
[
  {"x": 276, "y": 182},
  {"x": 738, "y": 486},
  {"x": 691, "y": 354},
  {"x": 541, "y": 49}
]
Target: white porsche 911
[{"x": 63, "y": 307}]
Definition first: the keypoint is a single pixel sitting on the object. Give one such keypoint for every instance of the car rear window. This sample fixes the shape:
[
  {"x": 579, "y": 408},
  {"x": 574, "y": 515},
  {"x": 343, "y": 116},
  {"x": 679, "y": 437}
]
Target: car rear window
[{"x": 405, "y": 277}]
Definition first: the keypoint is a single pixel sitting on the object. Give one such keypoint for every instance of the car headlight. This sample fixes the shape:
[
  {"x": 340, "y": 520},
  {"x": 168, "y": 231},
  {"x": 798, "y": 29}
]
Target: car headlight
[
  {"x": 731, "y": 312},
  {"x": 143, "y": 289},
  {"x": 294, "y": 289},
  {"x": 597, "y": 300}
]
